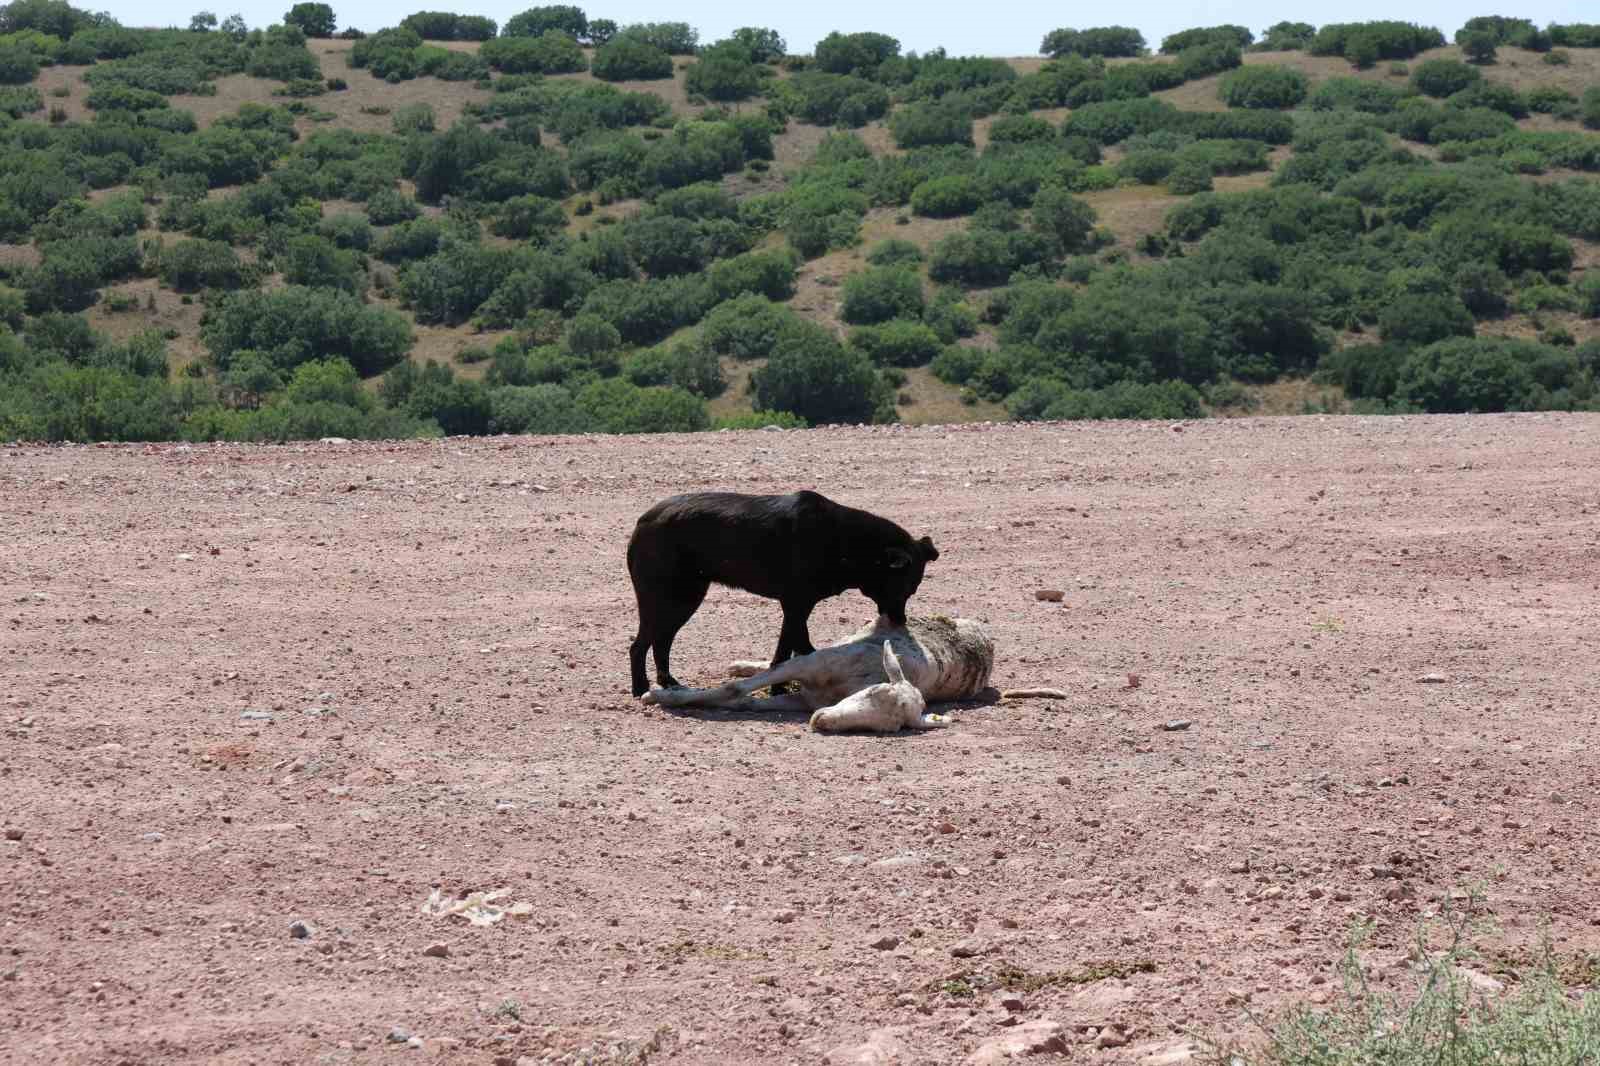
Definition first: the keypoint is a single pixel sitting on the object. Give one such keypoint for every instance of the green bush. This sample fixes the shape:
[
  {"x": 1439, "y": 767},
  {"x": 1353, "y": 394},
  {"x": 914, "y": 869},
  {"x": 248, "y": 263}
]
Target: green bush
[
  {"x": 1478, "y": 46},
  {"x": 1020, "y": 129},
  {"x": 759, "y": 420},
  {"x": 534, "y": 218},
  {"x": 814, "y": 377},
  {"x": 921, "y": 125},
  {"x": 1064, "y": 219},
  {"x": 552, "y": 18},
  {"x": 836, "y": 99},
  {"x": 17, "y": 65},
  {"x": 551, "y": 53},
  {"x": 1263, "y": 88},
  {"x": 446, "y": 26},
  {"x": 1372, "y": 41},
  {"x": 1485, "y": 374},
  {"x": 855, "y": 53},
  {"x": 316, "y": 262},
  {"x": 312, "y": 19},
  {"x": 1422, "y": 318},
  {"x": 948, "y": 196},
  {"x": 898, "y": 342},
  {"x": 1107, "y": 41},
  {"x": 1286, "y": 37},
  {"x": 1355, "y": 94},
  {"x": 746, "y": 327},
  {"x": 1189, "y": 177},
  {"x": 413, "y": 118},
  {"x": 881, "y": 293},
  {"x": 1443, "y": 77},
  {"x": 976, "y": 258},
  {"x": 894, "y": 252},
  {"x": 1589, "y": 107},
  {"x": 1148, "y": 167},
  {"x": 542, "y": 409},
  {"x": 294, "y": 324},
  {"x": 627, "y": 58},
  {"x": 770, "y": 274},
  {"x": 613, "y": 405},
  {"x": 192, "y": 265},
  {"x": 1237, "y": 36},
  {"x": 673, "y": 38},
  {"x": 415, "y": 239},
  {"x": 690, "y": 367}
]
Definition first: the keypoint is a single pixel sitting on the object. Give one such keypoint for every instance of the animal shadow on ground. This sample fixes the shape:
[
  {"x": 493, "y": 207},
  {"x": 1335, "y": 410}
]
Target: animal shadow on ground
[{"x": 988, "y": 697}]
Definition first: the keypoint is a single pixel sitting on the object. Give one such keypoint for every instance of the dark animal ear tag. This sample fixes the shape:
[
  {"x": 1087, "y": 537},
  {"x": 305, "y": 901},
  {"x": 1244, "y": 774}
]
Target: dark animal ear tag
[{"x": 898, "y": 560}]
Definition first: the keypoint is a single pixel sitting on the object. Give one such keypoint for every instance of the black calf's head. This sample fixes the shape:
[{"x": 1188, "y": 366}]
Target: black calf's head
[{"x": 895, "y": 576}]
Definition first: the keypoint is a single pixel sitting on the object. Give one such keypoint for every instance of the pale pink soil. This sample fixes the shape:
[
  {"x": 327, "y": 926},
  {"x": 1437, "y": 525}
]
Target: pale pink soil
[{"x": 1281, "y": 583}]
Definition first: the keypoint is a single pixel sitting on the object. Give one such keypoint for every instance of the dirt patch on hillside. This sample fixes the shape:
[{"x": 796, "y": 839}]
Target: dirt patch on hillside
[{"x": 253, "y": 686}]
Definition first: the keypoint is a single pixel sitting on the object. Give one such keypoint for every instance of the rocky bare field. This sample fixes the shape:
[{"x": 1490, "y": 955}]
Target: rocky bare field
[{"x": 250, "y": 687}]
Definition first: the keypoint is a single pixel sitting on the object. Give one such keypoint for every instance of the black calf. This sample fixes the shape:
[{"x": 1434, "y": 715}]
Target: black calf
[{"x": 797, "y": 549}]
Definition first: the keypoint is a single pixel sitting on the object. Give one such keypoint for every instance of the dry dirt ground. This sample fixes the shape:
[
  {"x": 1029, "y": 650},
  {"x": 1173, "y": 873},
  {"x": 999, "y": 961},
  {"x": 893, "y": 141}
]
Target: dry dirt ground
[{"x": 245, "y": 687}]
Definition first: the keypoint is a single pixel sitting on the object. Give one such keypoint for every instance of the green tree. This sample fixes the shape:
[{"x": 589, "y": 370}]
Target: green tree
[
  {"x": 815, "y": 377},
  {"x": 294, "y": 324},
  {"x": 312, "y": 19},
  {"x": 192, "y": 265},
  {"x": 1443, "y": 77},
  {"x": 546, "y": 408},
  {"x": 725, "y": 72},
  {"x": 1107, "y": 41},
  {"x": 746, "y": 327},
  {"x": 854, "y": 53},
  {"x": 249, "y": 379},
  {"x": 613, "y": 405},
  {"x": 626, "y": 58},
  {"x": 921, "y": 125},
  {"x": 1424, "y": 317},
  {"x": 898, "y": 342},
  {"x": 552, "y": 52},
  {"x": 17, "y": 65},
  {"x": 1064, "y": 218},
  {"x": 879, "y": 294},
  {"x": 1481, "y": 374},
  {"x": 315, "y": 261},
  {"x": 1477, "y": 45},
  {"x": 1262, "y": 87},
  {"x": 537, "y": 21},
  {"x": 764, "y": 45},
  {"x": 690, "y": 367},
  {"x": 202, "y": 21}
]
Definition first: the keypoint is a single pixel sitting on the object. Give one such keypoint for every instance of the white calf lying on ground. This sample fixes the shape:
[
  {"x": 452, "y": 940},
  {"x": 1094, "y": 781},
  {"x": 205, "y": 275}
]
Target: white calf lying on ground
[{"x": 880, "y": 679}]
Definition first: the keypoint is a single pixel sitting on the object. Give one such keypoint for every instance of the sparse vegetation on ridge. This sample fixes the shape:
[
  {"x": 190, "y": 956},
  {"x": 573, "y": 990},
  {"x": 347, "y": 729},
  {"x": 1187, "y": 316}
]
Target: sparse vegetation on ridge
[{"x": 1104, "y": 234}]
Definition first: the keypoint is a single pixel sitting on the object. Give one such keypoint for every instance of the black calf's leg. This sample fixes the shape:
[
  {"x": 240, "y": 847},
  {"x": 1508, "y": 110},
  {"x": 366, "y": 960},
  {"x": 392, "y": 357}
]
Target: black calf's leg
[
  {"x": 636, "y": 653},
  {"x": 645, "y": 592},
  {"x": 793, "y": 639},
  {"x": 671, "y": 614}
]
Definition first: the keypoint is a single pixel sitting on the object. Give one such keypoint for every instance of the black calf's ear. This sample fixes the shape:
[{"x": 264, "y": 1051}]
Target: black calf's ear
[
  {"x": 929, "y": 552},
  {"x": 897, "y": 558}
]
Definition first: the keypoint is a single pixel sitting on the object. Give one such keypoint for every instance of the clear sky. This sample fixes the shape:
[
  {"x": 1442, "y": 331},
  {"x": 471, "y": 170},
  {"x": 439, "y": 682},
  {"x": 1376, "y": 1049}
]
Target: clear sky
[{"x": 992, "y": 28}]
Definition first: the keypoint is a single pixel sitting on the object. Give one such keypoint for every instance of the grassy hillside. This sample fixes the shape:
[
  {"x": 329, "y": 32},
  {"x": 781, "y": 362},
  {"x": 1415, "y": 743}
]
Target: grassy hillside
[{"x": 1159, "y": 305}]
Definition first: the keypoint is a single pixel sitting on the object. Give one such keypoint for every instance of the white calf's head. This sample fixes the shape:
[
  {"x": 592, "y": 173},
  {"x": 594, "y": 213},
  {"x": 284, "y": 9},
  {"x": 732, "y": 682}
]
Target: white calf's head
[{"x": 882, "y": 708}]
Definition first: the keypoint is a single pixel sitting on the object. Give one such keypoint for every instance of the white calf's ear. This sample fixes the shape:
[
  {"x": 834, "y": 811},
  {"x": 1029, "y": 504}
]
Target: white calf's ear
[{"x": 891, "y": 665}]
